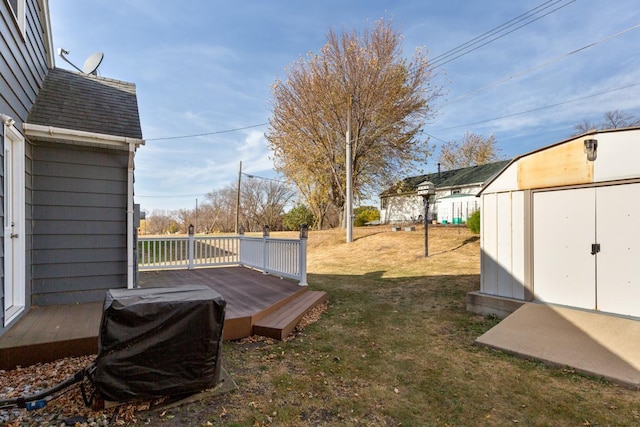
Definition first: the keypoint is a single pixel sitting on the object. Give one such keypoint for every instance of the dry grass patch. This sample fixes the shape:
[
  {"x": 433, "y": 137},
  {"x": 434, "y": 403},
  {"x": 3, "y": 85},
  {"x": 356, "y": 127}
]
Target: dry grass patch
[{"x": 395, "y": 347}]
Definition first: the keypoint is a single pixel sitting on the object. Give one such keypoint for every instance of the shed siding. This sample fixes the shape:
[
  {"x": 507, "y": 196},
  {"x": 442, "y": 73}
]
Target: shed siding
[
  {"x": 506, "y": 181},
  {"x": 518, "y": 254},
  {"x": 617, "y": 156},
  {"x": 502, "y": 258},
  {"x": 488, "y": 244},
  {"x": 79, "y": 223},
  {"x": 23, "y": 67},
  {"x": 557, "y": 166},
  {"x": 504, "y": 250}
]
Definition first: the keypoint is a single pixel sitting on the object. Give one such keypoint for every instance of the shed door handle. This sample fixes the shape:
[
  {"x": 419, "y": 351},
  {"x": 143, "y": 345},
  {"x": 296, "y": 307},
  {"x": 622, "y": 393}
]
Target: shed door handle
[{"x": 595, "y": 248}]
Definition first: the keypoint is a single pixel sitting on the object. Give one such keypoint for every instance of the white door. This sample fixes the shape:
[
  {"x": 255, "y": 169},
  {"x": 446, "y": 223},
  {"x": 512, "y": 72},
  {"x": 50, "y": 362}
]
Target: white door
[
  {"x": 563, "y": 232},
  {"x": 618, "y": 265},
  {"x": 14, "y": 224}
]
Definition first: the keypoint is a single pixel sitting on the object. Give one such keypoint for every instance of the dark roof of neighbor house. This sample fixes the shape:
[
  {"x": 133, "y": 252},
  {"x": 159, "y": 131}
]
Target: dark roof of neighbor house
[
  {"x": 78, "y": 101},
  {"x": 452, "y": 178}
]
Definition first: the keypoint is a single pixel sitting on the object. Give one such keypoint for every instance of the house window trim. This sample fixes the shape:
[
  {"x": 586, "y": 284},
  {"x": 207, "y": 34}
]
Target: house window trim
[{"x": 20, "y": 15}]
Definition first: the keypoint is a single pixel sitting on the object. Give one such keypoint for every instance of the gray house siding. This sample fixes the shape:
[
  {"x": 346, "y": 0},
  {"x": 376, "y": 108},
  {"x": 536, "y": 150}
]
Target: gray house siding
[
  {"x": 79, "y": 223},
  {"x": 23, "y": 63},
  {"x": 23, "y": 67}
]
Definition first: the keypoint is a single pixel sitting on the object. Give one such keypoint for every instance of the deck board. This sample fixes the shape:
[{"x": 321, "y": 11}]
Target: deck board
[
  {"x": 281, "y": 322},
  {"x": 47, "y": 333}
]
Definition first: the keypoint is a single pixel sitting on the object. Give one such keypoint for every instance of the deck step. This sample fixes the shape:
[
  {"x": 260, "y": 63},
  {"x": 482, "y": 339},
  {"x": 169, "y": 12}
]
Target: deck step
[{"x": 279, "y": 324}]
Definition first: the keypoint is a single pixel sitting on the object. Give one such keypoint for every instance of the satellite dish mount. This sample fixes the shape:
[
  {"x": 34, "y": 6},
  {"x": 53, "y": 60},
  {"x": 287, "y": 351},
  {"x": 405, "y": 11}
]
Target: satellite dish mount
[{"x": 90, "y": 65}]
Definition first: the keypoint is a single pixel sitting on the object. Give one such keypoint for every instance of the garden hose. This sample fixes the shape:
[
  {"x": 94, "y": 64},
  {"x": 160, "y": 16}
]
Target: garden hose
[{"x": 40, "y": 399}]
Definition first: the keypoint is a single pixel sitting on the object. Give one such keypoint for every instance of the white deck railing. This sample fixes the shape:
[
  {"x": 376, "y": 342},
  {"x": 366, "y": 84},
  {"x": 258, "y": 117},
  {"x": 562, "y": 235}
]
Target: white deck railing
[{"x": 279, "y": 257}]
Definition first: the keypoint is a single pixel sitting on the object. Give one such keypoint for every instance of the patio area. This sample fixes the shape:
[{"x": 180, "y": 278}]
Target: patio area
[{"x": 257, "y": 303}]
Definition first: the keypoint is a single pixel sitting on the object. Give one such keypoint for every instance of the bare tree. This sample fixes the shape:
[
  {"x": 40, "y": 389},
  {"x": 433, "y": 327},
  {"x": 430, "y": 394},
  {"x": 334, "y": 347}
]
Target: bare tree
[
  {"x": 220, "y": 206},
  {"x": 160, "y": 222},
  {"x": 615, "y": 119},
  {"x": 362, "y": 77},
  {"x": 619, "y": 119},
  {"x": 473, "y": 150},
  {"x": 262, "y": 202},
  {"x": 584, "y": 126},
  {"x": 186, "y": 217}
]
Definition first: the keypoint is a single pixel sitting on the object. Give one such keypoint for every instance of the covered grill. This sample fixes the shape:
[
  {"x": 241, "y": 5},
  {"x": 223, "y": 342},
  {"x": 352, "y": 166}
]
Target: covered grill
[{"x": 157, "y": 342}]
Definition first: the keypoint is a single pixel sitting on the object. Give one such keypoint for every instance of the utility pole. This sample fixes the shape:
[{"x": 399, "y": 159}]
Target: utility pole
[
  {"x": 238, "y": 198},
  {"x": 349, "y": 195}
]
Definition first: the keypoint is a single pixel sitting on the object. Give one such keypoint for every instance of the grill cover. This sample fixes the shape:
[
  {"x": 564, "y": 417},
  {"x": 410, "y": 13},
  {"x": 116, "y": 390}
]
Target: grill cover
[{"x": 158, "y": 342}]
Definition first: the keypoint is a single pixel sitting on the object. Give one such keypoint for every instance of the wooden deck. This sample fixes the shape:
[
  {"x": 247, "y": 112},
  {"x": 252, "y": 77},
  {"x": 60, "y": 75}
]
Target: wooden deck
[{"x": 52, "y": 332}]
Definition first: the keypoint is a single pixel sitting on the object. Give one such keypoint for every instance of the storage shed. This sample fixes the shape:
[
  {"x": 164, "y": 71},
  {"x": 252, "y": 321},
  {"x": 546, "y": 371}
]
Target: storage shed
[{"x": 560, "y": 226}]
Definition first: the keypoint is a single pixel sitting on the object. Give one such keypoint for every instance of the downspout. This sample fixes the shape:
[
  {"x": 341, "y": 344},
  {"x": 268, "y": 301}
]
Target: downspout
[{"x": 130, "y": 259}]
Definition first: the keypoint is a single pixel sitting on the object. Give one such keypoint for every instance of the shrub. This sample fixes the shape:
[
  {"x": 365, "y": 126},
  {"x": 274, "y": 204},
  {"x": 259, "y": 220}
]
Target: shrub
[
  {"x": 297, "y": 216},
  {"x": 474, "y": 222},
  {"x": 365, "y": 214}
]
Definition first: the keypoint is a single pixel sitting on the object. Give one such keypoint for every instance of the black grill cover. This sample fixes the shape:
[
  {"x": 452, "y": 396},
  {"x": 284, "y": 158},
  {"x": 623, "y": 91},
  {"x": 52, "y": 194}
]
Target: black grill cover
[{"x": 159, "y": 342}]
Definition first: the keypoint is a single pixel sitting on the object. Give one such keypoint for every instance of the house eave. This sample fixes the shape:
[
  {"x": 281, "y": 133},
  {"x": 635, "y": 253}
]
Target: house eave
[
  {"x": 79, "y": 137},
  {"x": 443, "y": 188}
]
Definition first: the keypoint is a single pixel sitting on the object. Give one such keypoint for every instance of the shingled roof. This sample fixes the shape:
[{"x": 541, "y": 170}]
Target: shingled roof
[
  {"x": 452, "y": 178},
  {"x": 77, "y": 101}
]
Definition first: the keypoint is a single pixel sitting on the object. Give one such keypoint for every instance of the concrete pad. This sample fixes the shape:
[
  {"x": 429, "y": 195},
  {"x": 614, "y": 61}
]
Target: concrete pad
[{"x": 589, "y": 342}]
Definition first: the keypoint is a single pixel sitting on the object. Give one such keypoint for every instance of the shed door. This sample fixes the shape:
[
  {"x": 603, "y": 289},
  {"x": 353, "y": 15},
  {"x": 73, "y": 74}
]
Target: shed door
[
  {"x": 566, "y": 225},
  {"x": 618, "y": 262},
  {"x": 564, "y": 228}
]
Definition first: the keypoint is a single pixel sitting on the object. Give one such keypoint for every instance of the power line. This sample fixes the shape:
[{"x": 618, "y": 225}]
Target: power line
[
  {"x": 463, "y": 96},
  {"x": 248, "y": 175},
  {"x": 530, "y": 13},
  {"x": 539, "y": 66},
  {"x": 542, "y": 108},
  {"x": 439, "y": 61},
  {"x": 175, "y": 196},
  {"x": 207, "y": 133},
  {"x": 556, "y": 59}
]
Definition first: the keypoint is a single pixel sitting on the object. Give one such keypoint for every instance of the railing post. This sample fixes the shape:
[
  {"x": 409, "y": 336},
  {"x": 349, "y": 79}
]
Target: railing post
[
  {"x": 240, "y": 237},
  {"x": 265, "y": 249},
  {"x": 191, "y": 247},
  {"x": 302, "y": 256}
]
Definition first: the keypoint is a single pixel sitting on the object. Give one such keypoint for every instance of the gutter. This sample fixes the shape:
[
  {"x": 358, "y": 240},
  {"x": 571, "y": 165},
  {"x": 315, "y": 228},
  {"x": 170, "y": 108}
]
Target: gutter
[{"x": 78, "y": 137}]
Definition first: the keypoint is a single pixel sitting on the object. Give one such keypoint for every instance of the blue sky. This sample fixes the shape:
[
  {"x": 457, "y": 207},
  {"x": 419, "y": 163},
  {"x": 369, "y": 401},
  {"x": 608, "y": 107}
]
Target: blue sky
[{"x": 207, "y": 66}]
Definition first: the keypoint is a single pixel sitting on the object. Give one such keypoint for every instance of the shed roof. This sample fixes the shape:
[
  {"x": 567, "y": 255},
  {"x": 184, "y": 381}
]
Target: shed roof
[
  {"x": 87, "y": 103},
  {"x": 589, "y": 133},
  {"x": 452, "y": 178}
]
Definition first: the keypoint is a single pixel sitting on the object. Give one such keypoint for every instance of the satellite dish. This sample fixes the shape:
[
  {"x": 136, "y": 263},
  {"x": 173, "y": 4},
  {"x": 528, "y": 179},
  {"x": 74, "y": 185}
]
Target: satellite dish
[{"x": 92, "y": 63}]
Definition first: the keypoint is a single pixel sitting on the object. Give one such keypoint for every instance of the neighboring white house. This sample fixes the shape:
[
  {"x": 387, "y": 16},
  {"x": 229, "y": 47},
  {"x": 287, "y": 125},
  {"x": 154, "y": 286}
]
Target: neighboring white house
[
  {"x": 562, "y": 226},
  {"x": 455, "y": 199}
]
